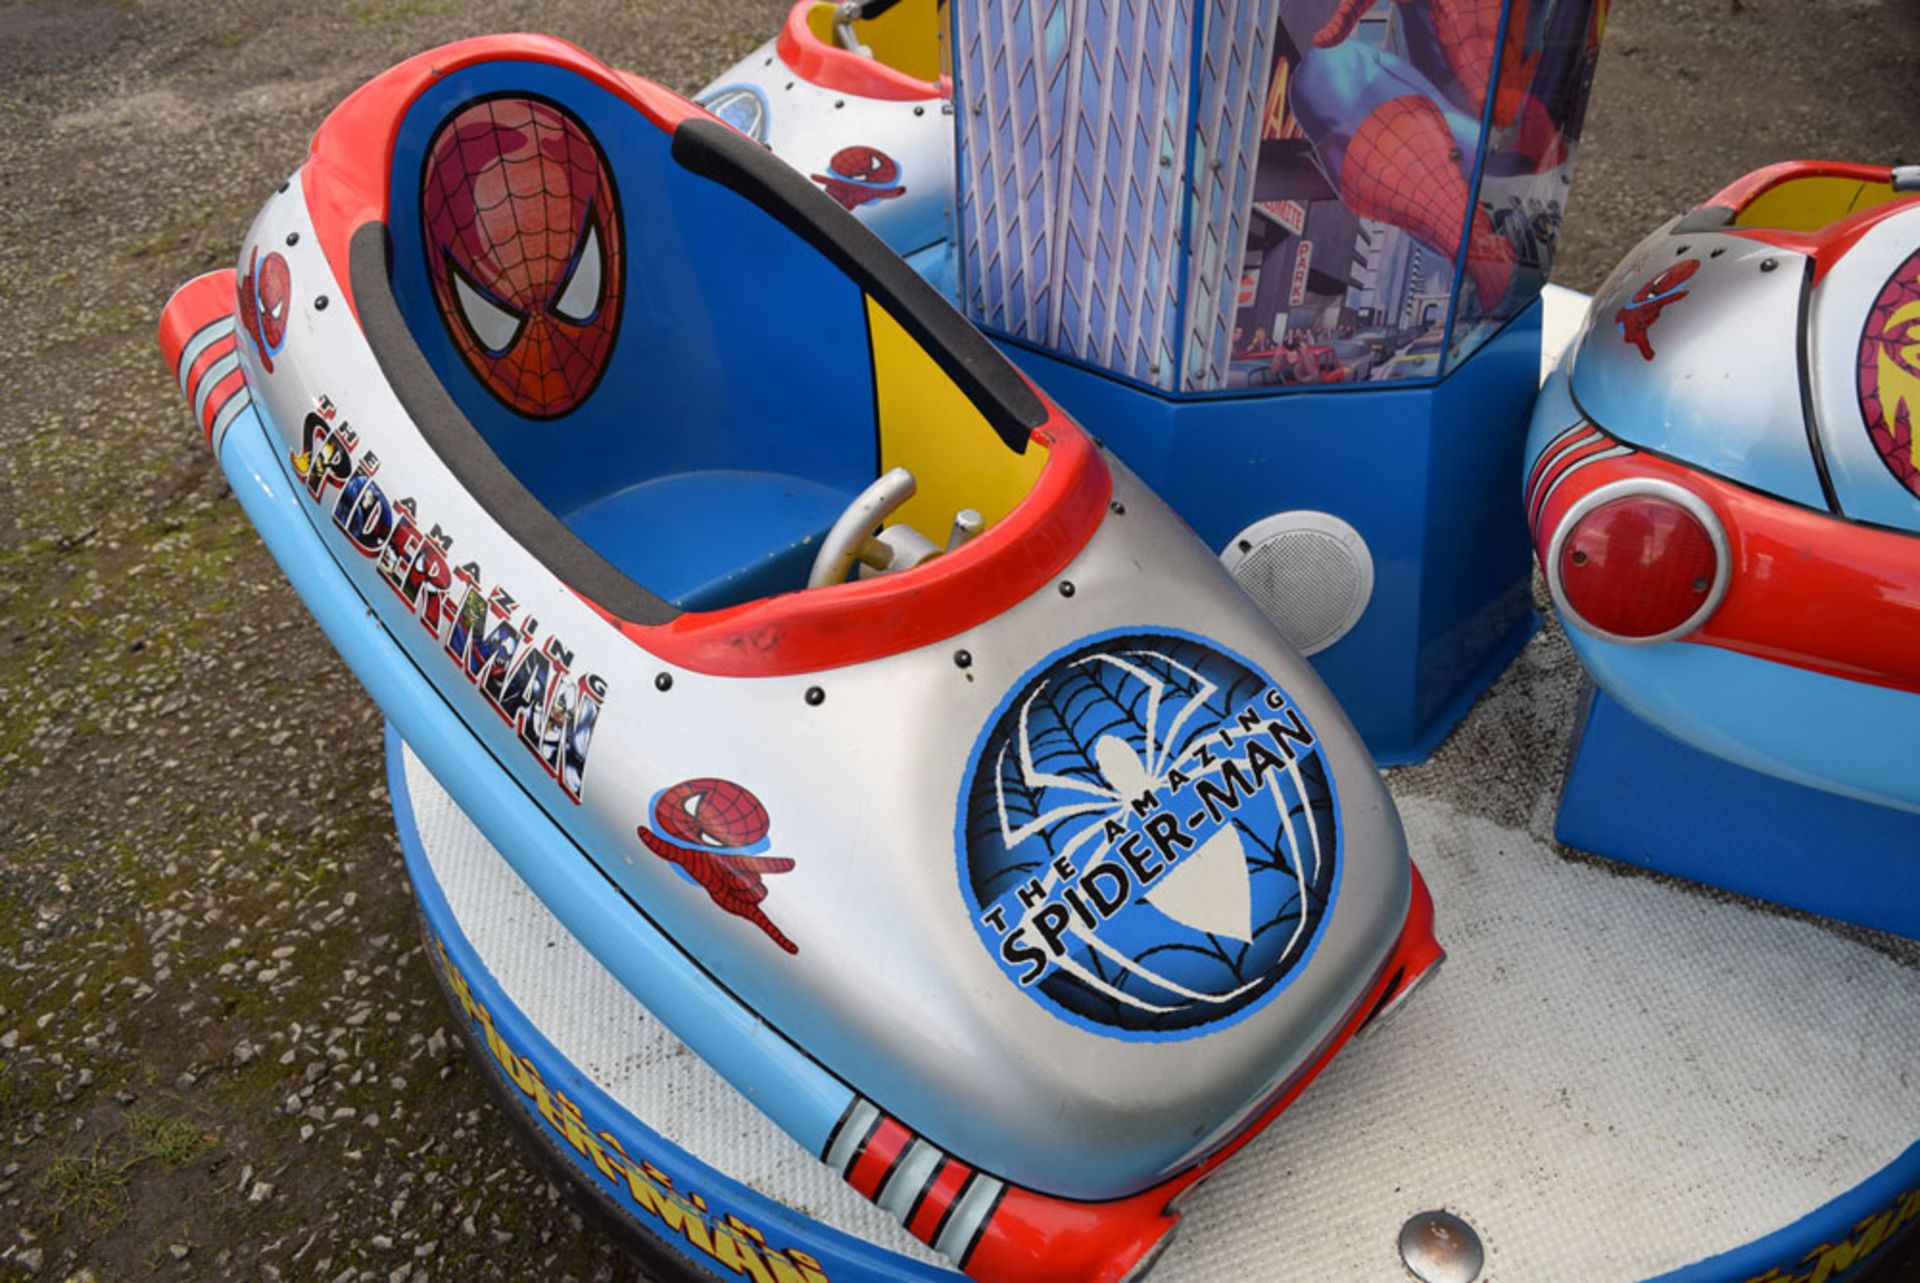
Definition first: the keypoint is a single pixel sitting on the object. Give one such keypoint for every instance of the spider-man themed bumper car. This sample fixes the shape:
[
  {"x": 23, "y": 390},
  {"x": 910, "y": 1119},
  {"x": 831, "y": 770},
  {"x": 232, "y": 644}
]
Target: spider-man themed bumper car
[
  {"x": 1723, "y": 480},
  {"x": 883, "y": 736},
  {"x": 853, "y": 96}
]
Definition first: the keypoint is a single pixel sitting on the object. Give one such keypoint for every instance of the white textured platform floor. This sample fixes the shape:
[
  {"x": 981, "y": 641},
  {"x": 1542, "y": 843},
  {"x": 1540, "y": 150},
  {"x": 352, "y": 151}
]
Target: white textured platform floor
[{"x": 1613, "y": 1076}]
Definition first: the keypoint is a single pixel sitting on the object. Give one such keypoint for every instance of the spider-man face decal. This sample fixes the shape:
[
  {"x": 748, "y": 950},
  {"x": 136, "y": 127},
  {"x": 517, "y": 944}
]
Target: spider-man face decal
[
  {"x": 857, "y": 175},
  {"x": 264, "y": 292},
  {"x": 523, "y": 244}
]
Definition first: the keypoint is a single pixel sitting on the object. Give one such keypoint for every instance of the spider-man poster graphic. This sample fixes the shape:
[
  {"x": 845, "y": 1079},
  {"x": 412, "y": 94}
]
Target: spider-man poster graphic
[
  {"x": 1400, "y": 135},
  {"x": 714, "y": 831},
  {"x": 524, "y": 249}
]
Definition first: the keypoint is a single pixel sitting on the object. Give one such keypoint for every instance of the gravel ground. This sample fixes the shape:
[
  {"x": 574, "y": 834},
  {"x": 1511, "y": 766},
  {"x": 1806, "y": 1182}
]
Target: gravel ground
[{"x": 221, "y": 1053}]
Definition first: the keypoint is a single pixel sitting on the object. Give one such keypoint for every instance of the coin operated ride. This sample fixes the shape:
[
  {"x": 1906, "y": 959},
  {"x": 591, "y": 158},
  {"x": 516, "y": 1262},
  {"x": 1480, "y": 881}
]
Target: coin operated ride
[
  {"x": 1287, "y": 255},
  {"x": 791, "y": 661},
  {"x": 1747, "y": 1071},
  {"x": 1724, "y": 492}
]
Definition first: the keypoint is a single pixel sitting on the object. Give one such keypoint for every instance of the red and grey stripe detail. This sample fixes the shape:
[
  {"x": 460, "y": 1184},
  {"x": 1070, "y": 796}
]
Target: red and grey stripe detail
[
  {"x": 1576, "y": 448},
  {"x": 201, "y": 347},
  {"x": 210, "y": 378},
  {"x": 942, "y": 1201}
]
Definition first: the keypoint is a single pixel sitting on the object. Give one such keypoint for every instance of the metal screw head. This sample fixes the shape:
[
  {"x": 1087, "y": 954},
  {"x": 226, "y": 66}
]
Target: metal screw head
[{"x": 1439, "y": 1247}]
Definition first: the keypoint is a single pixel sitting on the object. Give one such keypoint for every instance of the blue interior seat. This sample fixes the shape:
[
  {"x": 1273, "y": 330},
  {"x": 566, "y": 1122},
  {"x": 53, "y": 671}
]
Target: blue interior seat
[{"x": 704, "y": 540}]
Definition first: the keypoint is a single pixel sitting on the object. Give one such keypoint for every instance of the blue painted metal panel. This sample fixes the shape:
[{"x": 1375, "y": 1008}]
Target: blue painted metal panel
[
  {"x": 1851, "y": 738},
  {"x": 1643, "y": 797}
]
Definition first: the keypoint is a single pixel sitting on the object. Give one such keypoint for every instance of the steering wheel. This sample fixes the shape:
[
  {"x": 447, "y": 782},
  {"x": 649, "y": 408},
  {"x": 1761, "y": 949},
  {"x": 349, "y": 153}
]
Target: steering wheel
[
  {"x": 853, "y": 528},
  {"x": 845, "y": 15}
]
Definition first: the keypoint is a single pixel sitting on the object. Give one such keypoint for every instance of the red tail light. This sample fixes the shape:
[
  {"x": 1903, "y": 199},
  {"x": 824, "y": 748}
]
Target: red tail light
[{"x": 1638, "y": 561}]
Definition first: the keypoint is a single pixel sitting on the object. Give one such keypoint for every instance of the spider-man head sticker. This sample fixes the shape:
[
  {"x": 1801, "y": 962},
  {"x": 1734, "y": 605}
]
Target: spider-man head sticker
[
  {"x": 1636, "y": 319},
  {"x": 1889, "y": 373},
  {"x": 524, "y": 247},
  {"x": 264, "y": 292},
  {"x": 714, "y": 831},
  {"x": 857, "y": 176}
]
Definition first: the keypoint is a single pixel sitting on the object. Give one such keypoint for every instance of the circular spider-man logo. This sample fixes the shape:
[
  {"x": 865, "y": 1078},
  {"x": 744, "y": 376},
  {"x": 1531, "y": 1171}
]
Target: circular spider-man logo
[
  {"x": 1148, "y": 836},
  {"x": 523, "y": 244},
  {"x": 1889, "y": 373}
]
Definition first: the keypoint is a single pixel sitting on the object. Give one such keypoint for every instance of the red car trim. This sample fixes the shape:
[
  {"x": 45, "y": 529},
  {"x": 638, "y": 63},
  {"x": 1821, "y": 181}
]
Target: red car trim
[
  {"x": 202, "y": 307},
  {"x": 1808, "y": 589},
  {"x": 232, "y": 385},
  {"x": 831, "y": 67},
  {"x": 1826, "y": 246},
  {"x": 1561, "y": 465}
]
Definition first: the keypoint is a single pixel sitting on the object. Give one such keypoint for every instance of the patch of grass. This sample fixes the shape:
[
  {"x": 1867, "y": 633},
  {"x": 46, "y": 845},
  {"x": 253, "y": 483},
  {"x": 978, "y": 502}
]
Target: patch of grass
[
  {"x": 171, "y": 1142},
  {"x": 91, "y": 1186}
]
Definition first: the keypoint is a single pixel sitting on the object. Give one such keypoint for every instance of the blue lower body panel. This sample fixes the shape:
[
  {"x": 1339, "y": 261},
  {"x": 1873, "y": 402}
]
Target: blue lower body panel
[{"x": 1637, "y": 795}]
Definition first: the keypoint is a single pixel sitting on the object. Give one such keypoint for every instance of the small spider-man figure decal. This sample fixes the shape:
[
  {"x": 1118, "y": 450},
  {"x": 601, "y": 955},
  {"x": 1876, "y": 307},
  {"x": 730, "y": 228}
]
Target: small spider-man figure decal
[
  {"x": 1643, "y": 309},
  {"x": 264, "y": 292},
  {"x": 1889, "y": 374},
  {"x": 858, "y": 175},
  {"x": 524, "y": 249},
  {"x": 714, "y": 831}
]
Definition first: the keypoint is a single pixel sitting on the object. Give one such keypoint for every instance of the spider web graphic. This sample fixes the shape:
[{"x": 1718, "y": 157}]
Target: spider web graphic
[
  {"x": 1040, "y": 794},
  {"x": 1889, "y": 374},
  {"x": 513, "y": 194}
]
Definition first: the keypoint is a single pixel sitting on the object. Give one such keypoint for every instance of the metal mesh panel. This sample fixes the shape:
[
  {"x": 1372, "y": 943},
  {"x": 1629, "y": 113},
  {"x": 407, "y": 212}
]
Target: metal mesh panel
[{"x": 1310, "y": 572}]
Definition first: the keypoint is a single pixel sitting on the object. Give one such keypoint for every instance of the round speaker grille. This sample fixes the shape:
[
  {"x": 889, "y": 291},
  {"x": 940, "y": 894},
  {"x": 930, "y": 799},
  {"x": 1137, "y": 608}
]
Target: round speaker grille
[{"x": 1310, "y": 572}]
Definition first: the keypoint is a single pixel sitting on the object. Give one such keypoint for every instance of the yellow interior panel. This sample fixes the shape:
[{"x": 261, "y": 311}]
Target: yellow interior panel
[
  {"x": 905, "y": 37},
  {"x": 1811, "y": 203},
  {"x": 930, "y": 428}
]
